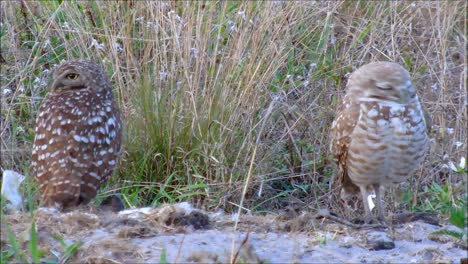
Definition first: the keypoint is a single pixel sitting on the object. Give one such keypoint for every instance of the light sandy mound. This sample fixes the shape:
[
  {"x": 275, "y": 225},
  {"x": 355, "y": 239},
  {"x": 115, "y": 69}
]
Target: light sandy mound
[{"x": 184, "y": 234}]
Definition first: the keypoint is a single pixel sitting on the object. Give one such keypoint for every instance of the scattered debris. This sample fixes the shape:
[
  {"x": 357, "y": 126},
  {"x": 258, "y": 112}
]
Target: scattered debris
[
  {"x": 11, "y": 182},
  {"x": 181, "y": 233}
]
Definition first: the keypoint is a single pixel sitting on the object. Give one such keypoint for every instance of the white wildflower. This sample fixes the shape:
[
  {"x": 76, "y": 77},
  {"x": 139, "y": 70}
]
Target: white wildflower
[
  {"x": 462, "y": 163},
  {"x": 232, "y": 26},
  {"x": 65, "y": 25},
  {"x": 163, "y": 75},
  {"x": 150, "y": 24},
  {"x": 445, "y": 157},
  {"x": 173, "y": 13},
  {"x": 46, "y": 43},
  {"x": 456, "y": 168},
  {"x": 194, "y": 52},
  {"x": 97, "y": 45},
  {"x": 370, "y": 200},
  {"x": 241, "y": 14},
  {"x": 332, "y": 40},
  {"x": 118, "y": 47},
  {"x": 7, "y": 91},
  {"x": 39, "y": 82}
]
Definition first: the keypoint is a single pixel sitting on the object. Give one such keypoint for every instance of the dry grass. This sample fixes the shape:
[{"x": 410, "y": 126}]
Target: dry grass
[{"x": 215, "y": 93}]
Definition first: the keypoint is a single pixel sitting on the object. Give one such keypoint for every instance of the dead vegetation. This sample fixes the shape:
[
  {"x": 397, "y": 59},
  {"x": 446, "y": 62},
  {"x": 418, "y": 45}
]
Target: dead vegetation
[{"x": 228, "y": 104}]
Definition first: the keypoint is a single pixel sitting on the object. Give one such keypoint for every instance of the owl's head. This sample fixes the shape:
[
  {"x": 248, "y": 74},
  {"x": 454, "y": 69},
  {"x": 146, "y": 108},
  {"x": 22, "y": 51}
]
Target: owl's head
[
  {"x": 79, "y": 75},
  {"x": 382, "y": 81}
]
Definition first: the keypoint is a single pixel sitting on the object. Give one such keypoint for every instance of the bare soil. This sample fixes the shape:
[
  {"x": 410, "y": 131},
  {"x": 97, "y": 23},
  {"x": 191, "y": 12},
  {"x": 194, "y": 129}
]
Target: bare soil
[{"x": 179, "y": 233}]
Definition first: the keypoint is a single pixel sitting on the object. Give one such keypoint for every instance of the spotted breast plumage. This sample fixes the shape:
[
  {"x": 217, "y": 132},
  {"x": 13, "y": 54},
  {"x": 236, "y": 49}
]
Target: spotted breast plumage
[
  {"x": 379, "y": 135},
  {"x": 77, "y": 135}
]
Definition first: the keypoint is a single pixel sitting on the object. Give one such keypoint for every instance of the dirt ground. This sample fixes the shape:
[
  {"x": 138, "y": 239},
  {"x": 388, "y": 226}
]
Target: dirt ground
[{"x": 179, "y": 233}]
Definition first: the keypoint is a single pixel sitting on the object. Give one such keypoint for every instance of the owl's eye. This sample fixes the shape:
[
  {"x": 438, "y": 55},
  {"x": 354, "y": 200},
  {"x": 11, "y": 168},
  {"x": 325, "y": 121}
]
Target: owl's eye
[
  {"x": 383, "y": 85},
  {"x": 72, "y": 76}
]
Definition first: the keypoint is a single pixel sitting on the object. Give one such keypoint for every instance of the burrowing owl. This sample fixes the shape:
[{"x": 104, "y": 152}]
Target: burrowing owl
[
  {"x": 379, "y": 135},
  {"x": 78, "y": 135}
]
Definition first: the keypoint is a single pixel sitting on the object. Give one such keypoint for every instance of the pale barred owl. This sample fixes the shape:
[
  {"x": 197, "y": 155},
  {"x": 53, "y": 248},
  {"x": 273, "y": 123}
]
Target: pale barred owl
[
  {"x": 78, "y": 135},
  {"x": 379, "y": 135}
]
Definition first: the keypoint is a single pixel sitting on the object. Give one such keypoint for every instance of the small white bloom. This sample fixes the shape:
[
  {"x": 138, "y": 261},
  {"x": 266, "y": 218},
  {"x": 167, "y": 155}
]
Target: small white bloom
[
  {"x": 241, "y": 14},
  {"x": 450, "y": 130},
  {"x": 97, "y": 45},
  {"x": 462, "y": 164},
  {"x": 173, "y": 13},
  {"x": 194, "y": 52},
  {"x": 46, "y": 44},
  {"x": 370, "y": 201},
  {"x": 118, "y": 47},
  {"x": 7, "y": 91},
  {"x": 163, "y": 75},
  {"x": 458, "y": 144},
  {"x": 65, "y": 25},
  {"x": 140, "y": 18},
  {"x": 39, "y": 82},
  {"x": 232, "y": 26},
  {"x": 445, "y": 157},
  {"x": 452, "y": 166},
  {"x": 458, "y": 169},
  {"x": 332, "y": 40}
]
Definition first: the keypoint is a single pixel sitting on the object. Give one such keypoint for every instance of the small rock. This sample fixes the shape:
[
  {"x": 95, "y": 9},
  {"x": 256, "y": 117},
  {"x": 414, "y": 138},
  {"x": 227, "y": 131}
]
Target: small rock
[
  {"x": 112, "y": 203},
  {"x": 378, "y": 240}
]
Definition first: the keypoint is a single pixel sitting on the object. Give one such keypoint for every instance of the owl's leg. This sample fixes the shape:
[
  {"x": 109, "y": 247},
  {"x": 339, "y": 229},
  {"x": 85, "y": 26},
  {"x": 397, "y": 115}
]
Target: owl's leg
[
  {"x": 377, "y": 190},
  {"x": 365, "y": 194}
]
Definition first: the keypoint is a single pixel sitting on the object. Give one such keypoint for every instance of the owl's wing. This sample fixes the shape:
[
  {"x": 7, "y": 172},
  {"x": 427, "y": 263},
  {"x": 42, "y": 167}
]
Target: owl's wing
[
  {"x": 341, "y": 131},
  {"x": 63, "y": 174}
]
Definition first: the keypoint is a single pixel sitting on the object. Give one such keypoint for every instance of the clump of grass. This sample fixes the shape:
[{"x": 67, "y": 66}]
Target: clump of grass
[{"x": 195, "y": 80}]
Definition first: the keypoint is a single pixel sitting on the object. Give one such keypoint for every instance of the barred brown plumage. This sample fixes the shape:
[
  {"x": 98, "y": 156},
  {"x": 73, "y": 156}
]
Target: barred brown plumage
[
  {"x": 78, "y": 135},
  {"x": 379, "y": 135}
]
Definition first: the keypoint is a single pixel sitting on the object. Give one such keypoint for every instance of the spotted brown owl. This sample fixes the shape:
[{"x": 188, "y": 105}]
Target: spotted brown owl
[
  {"x": 379, "y": 134},
  {"x": 78, "y": 135}
]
